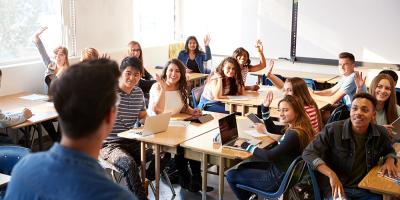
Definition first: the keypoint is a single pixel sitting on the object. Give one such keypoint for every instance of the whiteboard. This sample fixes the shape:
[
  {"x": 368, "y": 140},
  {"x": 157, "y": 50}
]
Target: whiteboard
[
  {"x": 367, "y": 28},
  {"x": 239, "y": 23}
]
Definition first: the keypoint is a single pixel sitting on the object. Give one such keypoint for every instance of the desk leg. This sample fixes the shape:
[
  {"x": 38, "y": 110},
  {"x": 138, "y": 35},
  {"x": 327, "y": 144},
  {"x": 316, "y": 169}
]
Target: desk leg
[
  {"x": 143, "y": 161},
  {"x": 39, "y": 130},
  {"x": 231, "y": 108},
  {"x": 204, "y": 183},
  {"x": 221, "y": 177},
  {"x": 157, "y": 166},
  {"x": 243, "y": 110}
]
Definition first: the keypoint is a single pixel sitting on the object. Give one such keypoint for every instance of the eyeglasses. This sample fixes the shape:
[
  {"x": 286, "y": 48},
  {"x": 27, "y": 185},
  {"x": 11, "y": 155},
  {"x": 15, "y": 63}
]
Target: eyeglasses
[{"x": 136, "y": 50}]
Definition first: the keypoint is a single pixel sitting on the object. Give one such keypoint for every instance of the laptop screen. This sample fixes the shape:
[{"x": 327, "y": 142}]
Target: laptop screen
[{"x": 228, "y": 128}]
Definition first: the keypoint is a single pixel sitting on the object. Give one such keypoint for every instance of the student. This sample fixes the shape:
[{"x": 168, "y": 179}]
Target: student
[
  {"x": 146, "y": 81},
  {"x": 193, "y": 57},
  {"x": 54, "y": 69},
  {"x": 123, "y": 153},
  {"x": 243, "y": 58},
  {"x": 70, "y": 169},
  {"x": 345, "y": 151},
  {"x": 169, "y": 94},
  {"x": 383, "y": 89},
  {"x": 298, "y": 87},
  {"x": 268, "y": 172},
  {"x": 7, "y": 120},
  {"x": 225, "y": 80},
  {"x": 89, "y": 54},
  {"x": 345, "y": 88}
]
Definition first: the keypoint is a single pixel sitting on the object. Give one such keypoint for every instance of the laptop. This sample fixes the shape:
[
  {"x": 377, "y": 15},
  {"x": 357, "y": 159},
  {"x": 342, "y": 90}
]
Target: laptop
[
  {"x": 229, "y": 133},
  {"x": 154, "y": 124}
]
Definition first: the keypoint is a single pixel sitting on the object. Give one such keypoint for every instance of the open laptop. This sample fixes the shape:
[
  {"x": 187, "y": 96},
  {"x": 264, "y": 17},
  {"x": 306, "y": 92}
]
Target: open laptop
[
  {"x": 229, "y": 133},
  {"x": 154, "y": 124}
]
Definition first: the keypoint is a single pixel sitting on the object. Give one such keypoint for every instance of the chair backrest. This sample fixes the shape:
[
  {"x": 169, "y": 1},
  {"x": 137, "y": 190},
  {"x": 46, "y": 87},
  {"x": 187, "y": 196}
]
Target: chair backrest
[
  {"x": 314, "y": 182},
  {"x": 174, "y": 49},
  {"x": 310, "y": 83},
  {"x": 266, "y": 81},
  {"x": 9, "y": 156},
  {"x": 196, "y": 94},
  {"x": 339, "y": 113}
]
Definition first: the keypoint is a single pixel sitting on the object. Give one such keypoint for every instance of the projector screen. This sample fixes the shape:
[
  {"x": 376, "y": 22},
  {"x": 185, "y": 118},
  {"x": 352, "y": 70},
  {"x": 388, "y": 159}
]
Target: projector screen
[{"x": 367, "y": 28}]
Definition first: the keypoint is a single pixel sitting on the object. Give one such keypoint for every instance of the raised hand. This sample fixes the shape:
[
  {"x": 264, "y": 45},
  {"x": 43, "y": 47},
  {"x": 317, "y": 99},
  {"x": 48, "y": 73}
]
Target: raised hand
[
  {"x": 161, "y": 82},
  {"x": 36, "y": 35},
  {"x": 207, "y": 40},
  {"x": 359, "y": 80},
  {"x": 270, "y": 67},
  {"x": 268, "y": 99},
  {"x": 259, "y": 46},
  {"x": 105, "y": 56}
]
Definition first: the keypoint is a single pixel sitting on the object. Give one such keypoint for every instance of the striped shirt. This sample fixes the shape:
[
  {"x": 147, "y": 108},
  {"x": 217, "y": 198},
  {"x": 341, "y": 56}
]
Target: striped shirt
[
  {"x": 128, "y": 112},
  {"x": 311, "y": 112}
]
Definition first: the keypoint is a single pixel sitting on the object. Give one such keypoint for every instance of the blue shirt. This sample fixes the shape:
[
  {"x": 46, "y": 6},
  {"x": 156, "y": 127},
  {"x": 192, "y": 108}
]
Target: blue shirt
[
  {"x": 348, "y": 86},
  {"x": 62, "y": 173}
]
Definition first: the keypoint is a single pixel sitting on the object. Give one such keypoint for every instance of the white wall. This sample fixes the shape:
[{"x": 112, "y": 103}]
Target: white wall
[{"x": 102, "y": 24}]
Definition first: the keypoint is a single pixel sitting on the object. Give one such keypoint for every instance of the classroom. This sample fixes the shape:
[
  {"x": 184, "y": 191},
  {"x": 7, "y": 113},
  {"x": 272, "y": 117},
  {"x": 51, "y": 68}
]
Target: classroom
[{"x": 212, "y": 99}]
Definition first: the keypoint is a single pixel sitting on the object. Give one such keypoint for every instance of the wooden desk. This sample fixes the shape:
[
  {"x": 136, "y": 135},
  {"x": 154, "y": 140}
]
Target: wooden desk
[
  {"x": 202, "y": 148},
  {"x": 4, "y": 179},
  {"x": 41, "y": 110},
  {"x": 318, "y": 77},
  {"x": 194, "y": 79},
  {"x": 379, "y": 184},
  {"x": 255, "y": 98},
  {"x": 170, "y": 140}
]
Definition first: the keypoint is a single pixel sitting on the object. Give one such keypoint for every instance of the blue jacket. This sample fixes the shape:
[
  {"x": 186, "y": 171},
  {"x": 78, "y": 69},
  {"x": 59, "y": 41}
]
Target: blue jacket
[
  {"x": 62, "y": 173},
  {"x": 200, "y": 58},
  {"x": 335, "y": 146}
]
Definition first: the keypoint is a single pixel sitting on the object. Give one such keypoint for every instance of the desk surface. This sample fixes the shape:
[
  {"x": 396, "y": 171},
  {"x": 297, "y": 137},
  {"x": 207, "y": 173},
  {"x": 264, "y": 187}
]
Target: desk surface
[
  {"x": 204, "y": 143},
  {"x": 255, "y": 98},
  {"x": 176, "y": 134},
  {"x": 42, "y": 110},
  {"x": 379, "y": 184},
  {"x": 191, "y": 76},
  {"x": 4, "y": 179},
  {"x": 329, "y": 78}
]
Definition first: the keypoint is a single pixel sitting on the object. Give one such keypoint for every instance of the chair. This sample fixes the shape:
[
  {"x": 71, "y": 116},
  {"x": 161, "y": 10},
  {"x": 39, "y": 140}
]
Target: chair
[
  {"x": 314, "y": 182},
  {"x": 196, "y": 94},
  {"x": 310, "y": 83},
  {"x": 266, "y": 81},
  {"x": 339, "y": 113},
  {"x": 292, "y": 176},
  {"x": 9, "y": 156}
]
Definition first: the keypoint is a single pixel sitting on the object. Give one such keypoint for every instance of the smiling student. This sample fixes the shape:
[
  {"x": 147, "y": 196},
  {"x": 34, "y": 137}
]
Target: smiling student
[{"x": 225, "y": 80}]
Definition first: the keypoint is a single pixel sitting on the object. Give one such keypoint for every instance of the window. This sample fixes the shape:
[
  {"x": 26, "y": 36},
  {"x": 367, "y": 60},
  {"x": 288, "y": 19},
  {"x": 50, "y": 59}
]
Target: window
[
  {"x": 20, "y": 19},
  {"x": 154, "y": 22}
]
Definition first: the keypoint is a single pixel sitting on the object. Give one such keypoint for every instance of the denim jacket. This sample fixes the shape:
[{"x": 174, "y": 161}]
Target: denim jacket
[
  {"x": 335, "y": 146},
  {"x": 200, "y": 58}
]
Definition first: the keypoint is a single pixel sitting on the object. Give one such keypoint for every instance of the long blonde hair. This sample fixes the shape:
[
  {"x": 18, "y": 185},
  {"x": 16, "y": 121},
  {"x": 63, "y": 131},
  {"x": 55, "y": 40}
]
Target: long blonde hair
[{"x": 301, "y": 123}]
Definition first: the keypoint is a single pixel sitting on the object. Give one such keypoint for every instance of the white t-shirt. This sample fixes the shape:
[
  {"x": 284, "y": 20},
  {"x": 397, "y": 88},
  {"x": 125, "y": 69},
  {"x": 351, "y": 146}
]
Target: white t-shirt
[{"x": 173, "y": 101}]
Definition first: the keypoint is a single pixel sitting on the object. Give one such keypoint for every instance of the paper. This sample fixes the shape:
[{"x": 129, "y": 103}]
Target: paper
[
  {"x": 35, "y": 97},
  {"x": 179, "y": 123},
  {"x": 254, "y": 133},
  {"x": 238, "y": 98}
]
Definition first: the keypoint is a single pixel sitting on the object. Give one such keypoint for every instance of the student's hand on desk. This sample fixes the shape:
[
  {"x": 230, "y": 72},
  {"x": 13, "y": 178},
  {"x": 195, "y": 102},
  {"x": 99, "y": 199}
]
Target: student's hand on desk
[
  {"x": 197, "y": 112},
  {"x": 268, "y": 99},
  {"x": 27, "y": 113},
  {"x": 254, "y": 87},
  {"x": 390, "y": 168}
]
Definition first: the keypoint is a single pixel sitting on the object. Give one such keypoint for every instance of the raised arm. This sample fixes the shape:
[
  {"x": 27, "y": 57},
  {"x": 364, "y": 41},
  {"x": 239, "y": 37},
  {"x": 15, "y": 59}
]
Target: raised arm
[
  {"x": 269, "y": 124},
  {"x": 274, "y": 79},
  {"x": 263, "y": 63},
  {"x": 207, "y": 55},
  {"x": 38, "y": 42}
]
